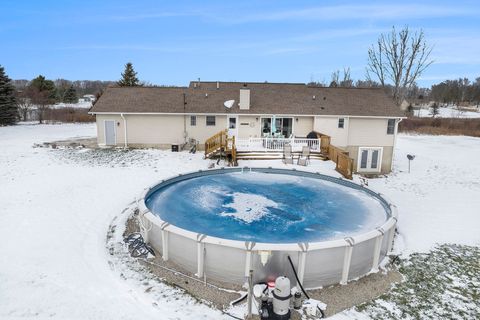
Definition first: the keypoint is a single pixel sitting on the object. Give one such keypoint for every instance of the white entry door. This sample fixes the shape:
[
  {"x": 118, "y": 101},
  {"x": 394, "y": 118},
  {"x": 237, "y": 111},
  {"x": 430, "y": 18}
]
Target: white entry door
[
  {"x": 232, "y": 123},
  {"x": 369, "y": 159},
  {"x": 110, "y": 134}
]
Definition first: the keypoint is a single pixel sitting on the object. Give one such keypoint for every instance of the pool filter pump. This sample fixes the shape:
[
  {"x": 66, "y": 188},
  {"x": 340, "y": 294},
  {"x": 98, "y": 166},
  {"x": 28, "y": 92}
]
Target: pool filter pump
[{"x": 281, "y": 298}]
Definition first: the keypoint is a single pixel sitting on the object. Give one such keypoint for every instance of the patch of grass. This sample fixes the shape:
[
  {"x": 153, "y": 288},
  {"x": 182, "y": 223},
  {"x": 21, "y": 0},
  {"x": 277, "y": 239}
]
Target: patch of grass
[
  {"x": 441, "y": 284},
  {"x": 110, "y": 157}
]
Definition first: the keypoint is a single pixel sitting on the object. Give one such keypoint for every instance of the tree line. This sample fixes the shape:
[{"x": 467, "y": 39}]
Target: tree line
[{"x": 19, "y": 97}]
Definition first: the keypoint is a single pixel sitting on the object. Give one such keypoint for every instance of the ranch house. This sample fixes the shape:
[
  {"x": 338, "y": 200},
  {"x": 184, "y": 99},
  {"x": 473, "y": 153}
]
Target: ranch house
[{"x": 360, "y": 123}]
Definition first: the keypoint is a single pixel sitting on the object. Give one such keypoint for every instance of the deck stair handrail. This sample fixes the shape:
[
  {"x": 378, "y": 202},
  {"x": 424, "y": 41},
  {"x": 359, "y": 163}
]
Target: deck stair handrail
[
  {"x": 216, "y": 142},
  {"x": 221, "y": 143}
]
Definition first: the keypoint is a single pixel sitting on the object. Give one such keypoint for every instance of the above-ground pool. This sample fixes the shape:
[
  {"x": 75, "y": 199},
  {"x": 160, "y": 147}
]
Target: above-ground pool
[
  {"x": 221, "y": 223},
  {"x": 267, "y": 207}
]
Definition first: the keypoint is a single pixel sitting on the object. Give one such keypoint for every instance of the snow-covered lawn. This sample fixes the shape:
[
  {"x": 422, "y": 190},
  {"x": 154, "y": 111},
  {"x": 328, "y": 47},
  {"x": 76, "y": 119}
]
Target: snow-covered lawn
[
  {"x": 56, "y": 206},
  {"x": 447, "y": 112}
]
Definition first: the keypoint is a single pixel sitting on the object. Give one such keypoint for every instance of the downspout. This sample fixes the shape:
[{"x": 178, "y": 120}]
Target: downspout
[
  {"x": 125, "y": 130},
  {"x": 184, "y": 119},
  {"x": 394, "y": 143}
]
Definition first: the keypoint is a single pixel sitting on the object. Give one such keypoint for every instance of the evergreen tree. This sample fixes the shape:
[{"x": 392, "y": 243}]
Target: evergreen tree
[
  {"x": 8, "y": 104},
  {"x": 129, "y": 77},
  {"x": 47, "y": 87},
  {"x": 43, "y": 94},
  {"x": 70, "y": 95},
  {"x": 435, "y": 110}
]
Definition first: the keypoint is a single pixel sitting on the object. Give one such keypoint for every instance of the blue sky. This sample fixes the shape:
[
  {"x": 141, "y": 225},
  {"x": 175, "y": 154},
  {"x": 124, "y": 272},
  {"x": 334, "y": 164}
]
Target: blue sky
[{"x": 177, "y": 41}]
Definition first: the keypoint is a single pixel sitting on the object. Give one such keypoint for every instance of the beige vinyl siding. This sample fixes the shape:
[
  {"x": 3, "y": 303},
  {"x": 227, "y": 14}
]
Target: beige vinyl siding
[
  {"x": 303, "y": 126},
  {"x": 369, "y": 132},
  {"x": 154, "y": 129},
  {"x": 201, "y": 131},
  {"x": 329, "y": 126},
  {"x": 249, "y": 127}
]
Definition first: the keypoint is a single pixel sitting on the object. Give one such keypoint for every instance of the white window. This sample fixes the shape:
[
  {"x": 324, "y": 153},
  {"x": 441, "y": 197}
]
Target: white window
[
  {"x": 193, "y": 121},
  {"x": 341, "y": 123},
  {"x": 391, "y": 126},
  {"x": 210, "y": 120},
  {"x": 369, "y": 159}
]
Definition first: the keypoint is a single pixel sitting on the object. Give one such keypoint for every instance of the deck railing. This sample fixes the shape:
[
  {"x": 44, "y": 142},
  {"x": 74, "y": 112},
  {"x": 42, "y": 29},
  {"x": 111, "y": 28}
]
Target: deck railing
[
  {"x": 344, "y": 164},
  {"x": 276, "y": 144},
  {"x": 216, "y": 142}
]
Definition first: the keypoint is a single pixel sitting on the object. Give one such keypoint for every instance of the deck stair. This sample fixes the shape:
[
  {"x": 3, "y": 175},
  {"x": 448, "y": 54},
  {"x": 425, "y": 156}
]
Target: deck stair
[{"x": 220, "y": 145}]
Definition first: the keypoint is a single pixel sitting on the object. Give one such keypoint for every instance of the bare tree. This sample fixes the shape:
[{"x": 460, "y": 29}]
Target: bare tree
[
  {"x": 345, "y": 81},
  {"x": 399, "y": 58},
  {"x": 42, "y": 100},
  {"x": 335, "y": 79},
  {"x": 24, "y": 103}
]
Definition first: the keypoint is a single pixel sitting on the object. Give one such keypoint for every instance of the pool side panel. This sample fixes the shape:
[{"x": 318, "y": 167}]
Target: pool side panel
[
  {"x": 324, "y": 267},
  {"x": 362, "y": 257},
  {"x": 224, "y": 263}
]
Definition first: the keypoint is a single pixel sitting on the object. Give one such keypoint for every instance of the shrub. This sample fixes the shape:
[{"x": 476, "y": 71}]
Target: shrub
[{"x": 441, "y": 126}]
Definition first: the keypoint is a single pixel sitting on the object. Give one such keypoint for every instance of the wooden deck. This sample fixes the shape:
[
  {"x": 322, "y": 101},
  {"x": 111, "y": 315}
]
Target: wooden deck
[{"x": 221, "y": 145}]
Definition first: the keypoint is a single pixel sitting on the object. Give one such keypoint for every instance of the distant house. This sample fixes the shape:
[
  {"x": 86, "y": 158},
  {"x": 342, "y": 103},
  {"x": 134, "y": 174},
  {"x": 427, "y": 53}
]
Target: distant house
[
  {"x": 87, "y": 98},
  {"x": 362, "y": 122}
]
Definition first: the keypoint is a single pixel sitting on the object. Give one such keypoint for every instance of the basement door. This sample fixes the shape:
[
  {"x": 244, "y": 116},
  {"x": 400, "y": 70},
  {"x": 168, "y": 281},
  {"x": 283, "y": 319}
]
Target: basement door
[
  {"x": 110, "y": 134},
  {"x": 369, "y": 159}
]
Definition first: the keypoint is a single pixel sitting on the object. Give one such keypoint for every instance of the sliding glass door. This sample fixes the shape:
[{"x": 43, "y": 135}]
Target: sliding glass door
[{"x": 277, "y": 127}]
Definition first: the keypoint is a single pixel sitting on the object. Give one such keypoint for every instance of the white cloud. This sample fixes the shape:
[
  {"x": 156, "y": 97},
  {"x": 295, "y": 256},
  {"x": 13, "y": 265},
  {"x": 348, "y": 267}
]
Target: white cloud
[{"x": 361, "y": 12}]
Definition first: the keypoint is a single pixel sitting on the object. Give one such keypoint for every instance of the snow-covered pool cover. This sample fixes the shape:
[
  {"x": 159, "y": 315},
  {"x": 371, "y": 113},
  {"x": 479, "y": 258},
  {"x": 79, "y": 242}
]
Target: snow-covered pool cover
[{"x": 267, "y": 207}]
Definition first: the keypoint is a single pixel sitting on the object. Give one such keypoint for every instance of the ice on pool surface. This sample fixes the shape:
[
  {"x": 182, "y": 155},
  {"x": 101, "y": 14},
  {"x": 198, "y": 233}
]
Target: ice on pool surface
[
  {"x": 266, "y": 207},
  {"x": 248, "y": 207},
  {"x": 208, "y": 197}
]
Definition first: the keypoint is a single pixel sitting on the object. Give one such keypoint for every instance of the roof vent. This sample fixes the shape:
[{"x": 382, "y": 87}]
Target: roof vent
[
  {"x": 206, "y": 95},
  {"x": 218, "y": 85},
  {"x": 229, "y": 103},
  {"x": 244, "y": 84},
  {"x": 313, "y": 97},
  {"x": 324, "y": 98}
]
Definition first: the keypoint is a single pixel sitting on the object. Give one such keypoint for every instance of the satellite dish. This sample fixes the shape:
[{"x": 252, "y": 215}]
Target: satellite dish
[{"x": 229, "y": 103}]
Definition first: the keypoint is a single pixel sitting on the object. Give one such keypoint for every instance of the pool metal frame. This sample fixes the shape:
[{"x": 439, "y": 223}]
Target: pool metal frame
[{"x": 317, "y": 263}]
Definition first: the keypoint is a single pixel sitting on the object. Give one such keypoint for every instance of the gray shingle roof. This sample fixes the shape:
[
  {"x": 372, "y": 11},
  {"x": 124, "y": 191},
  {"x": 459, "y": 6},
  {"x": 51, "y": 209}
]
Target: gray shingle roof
[{"x": 265, "y": 98}]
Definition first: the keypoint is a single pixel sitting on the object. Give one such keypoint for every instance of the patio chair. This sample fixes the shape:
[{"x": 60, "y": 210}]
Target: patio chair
[
  {"x": 287, "y": 154},
  {"x": 304, "y": 158}
]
